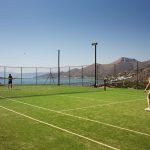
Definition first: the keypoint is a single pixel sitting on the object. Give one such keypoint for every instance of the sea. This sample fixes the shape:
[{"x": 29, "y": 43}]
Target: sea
[{"x": 66, "y": 81}]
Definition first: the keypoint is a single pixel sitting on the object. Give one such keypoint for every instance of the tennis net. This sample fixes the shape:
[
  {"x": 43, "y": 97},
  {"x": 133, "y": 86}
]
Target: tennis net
[{"x": 42, "y": 90}]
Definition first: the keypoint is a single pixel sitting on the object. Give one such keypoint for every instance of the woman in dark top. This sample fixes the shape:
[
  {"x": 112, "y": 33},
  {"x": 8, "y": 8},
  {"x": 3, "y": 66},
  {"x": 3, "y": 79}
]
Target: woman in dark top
[{"x": 10, "y": 78}]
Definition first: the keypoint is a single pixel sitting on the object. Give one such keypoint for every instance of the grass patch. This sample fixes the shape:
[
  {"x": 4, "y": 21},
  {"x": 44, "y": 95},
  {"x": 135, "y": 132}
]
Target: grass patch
[{"x": 115, "y": 117}]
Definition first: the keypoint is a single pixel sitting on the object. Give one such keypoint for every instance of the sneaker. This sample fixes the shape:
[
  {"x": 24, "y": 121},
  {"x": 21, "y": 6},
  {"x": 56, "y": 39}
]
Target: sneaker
[{"x": 147, "y": 109}]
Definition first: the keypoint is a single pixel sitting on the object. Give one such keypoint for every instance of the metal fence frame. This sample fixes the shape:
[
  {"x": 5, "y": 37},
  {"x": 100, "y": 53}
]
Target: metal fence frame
[
  {"x": 50, "y": 75},
  {"x": 68, "y": 75}
]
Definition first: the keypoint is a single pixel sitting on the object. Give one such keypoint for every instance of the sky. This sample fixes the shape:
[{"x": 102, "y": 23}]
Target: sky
[{"x": 32, "y": 31}]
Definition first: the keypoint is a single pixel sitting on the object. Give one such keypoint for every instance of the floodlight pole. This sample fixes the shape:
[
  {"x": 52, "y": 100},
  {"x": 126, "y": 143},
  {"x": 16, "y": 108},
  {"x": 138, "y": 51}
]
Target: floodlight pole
[
  {"x": 95, "y": 44},
  {"x": 58, "y": 67}
]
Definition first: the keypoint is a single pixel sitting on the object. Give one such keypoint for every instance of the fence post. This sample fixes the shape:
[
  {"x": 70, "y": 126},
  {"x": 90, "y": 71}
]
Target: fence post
[
  {"x": 58, "y": 67},
  {"x": 97, "y": 75},
  {"x": 4, "y": 74},
  {"x": 115, "y": 75},
  {"x": 69, "y": 75},
  {"x": 36, "y": 75},
  {"x": 21, "y": 75},
  {"x": 50, "y": 75},
  {"x": 137, "y": 80},
  {"x": 82, "y": 75}
]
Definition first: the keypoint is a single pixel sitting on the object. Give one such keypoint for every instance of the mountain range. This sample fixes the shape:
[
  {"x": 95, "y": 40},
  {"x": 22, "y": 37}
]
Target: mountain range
[{"x": 122, "y": 66}]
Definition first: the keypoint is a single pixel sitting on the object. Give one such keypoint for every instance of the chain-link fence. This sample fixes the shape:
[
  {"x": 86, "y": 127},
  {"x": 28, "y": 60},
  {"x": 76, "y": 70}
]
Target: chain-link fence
[
  {"x": 132, "y": 74},
  {"x": 70, "y": 75}
]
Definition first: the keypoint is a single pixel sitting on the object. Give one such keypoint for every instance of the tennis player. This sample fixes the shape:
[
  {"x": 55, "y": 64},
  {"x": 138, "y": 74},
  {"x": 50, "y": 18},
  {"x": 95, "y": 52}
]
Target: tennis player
[
  {"x": 10, "y": 78},
  {"x": 148, "y": 95}
]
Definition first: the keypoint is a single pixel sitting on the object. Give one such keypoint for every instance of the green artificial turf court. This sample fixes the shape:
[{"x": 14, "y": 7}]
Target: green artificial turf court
[{"x": 44, "y": 117}]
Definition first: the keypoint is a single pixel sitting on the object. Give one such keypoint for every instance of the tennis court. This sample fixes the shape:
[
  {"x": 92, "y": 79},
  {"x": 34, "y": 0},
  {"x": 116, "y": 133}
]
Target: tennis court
[{"x": 73, "y": 118}]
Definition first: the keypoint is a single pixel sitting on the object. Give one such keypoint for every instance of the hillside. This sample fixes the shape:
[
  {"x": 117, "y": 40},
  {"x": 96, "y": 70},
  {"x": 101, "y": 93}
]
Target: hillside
[
  {"x": 126, "y": 67},
  {"x": 121, "y": 66}
]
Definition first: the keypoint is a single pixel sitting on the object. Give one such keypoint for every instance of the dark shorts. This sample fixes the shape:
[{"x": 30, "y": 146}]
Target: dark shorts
[{"x": 9, "y": 82}]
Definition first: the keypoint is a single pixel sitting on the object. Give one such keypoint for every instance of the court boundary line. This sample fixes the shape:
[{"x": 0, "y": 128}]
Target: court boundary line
[
  {"x": 59, "y": 128},
  {"x": 77, "y": 97},
  {"x": 99, "y": 105},
  {"x": 91, "y": 98},
  {"x": 87, "y": 119}
]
